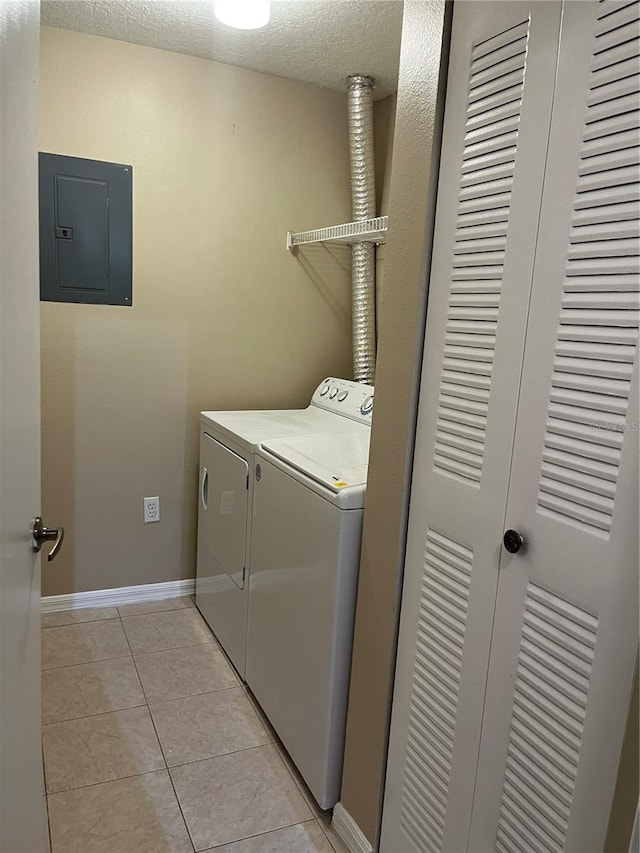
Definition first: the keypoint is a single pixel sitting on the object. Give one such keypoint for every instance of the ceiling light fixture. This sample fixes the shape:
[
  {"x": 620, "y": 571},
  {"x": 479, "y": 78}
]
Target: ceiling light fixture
[{"x": 243, "y": 14}]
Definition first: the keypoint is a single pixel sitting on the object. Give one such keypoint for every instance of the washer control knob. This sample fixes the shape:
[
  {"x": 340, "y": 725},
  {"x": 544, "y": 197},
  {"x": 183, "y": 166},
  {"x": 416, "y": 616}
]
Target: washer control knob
[
  {"x": 324, "y": 390},
  {"x": 367, "y": 405},
  {"x": 342, "y": 396},
  {"x": 333, "y": 393}
]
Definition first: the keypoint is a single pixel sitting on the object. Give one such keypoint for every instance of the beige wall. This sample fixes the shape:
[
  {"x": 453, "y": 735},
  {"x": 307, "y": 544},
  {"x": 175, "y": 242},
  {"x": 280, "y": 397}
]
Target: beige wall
[
  {"x": 384, "y": 117},
  {"x": 625, "y": 800},
  {"x": 402, "y": 303},
  {"x": 225, "y": 161}
]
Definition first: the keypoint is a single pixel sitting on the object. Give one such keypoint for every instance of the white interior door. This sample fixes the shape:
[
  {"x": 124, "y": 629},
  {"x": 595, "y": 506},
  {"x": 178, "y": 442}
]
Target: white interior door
[
  {"x": 566, "y": 624},
  {"x": 22, "y": 807},
  {"x": 497, "y": 116}
]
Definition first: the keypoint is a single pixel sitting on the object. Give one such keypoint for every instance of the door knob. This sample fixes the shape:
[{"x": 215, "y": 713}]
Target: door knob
[
  {"x": 512, "y": 541},
  {"x": 42, "y": 534}
]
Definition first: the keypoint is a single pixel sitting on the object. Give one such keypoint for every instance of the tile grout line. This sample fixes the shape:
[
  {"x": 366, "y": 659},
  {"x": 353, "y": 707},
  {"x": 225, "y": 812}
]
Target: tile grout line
[
  {"x": 152, "y": 612},
  {"x": 219, "y": 755},
  {"x": 213, "y": 642},
  {"x": 118, "y": 657},
  {"x": 191, "y": 695},
  {"x": 89, "y": 716},
  {"x": 46, "y": 806},
  {"x": 84, "y": 663},
  {"x": 75, "y": 622},
  {"x": 81, "y": 663},
  {"x": 44, "y": 766},
  {"x": 171, "y": 648},
  {"x": 107, "y": 618},
  {"x": 107, "y": 782},
  {"x": 164, "y": 757},
  {"x": 256, "y": 835},
  {"x": 44, "y": 780}
]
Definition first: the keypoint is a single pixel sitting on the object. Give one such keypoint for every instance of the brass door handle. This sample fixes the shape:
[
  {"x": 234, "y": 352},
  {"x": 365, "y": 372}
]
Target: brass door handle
[{"x": 42, "y": 534}]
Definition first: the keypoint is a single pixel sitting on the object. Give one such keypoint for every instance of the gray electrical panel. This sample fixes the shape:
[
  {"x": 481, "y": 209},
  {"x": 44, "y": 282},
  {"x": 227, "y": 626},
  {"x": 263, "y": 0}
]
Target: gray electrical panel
[{"x": 85, "y": 231}]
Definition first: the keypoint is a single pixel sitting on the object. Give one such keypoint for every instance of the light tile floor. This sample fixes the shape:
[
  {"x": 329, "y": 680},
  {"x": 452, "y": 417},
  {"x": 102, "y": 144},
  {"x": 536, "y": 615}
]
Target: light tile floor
[{"x": 152, "y": 745}]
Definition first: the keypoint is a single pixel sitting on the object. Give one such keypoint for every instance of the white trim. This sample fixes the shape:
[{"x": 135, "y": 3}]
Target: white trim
[
  {"x": 349, "y": 831},
  {"x": 119, "y": 595}
]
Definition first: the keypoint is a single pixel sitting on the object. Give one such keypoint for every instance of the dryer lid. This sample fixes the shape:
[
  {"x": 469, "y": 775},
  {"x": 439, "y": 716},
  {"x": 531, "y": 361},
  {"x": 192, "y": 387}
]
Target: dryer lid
[{"x": 336, "y": 460}]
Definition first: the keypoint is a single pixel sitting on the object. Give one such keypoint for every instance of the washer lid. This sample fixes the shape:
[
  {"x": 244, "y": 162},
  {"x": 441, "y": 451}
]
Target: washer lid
[{"x": 336, "y": 460}]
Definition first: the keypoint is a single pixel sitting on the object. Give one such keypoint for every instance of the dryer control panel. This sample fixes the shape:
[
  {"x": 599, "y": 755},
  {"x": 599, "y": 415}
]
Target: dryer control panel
[{"x": 344, "y": 397}]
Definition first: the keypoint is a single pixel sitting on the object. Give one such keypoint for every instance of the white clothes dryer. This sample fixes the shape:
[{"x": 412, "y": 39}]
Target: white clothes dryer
[{"x": 228, "y": 442}]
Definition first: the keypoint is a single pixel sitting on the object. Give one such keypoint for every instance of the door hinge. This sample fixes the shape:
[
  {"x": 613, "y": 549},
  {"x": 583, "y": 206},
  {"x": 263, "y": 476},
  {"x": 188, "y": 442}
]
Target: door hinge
[
  {"x": 247, "y": 481},
  {"x": 244, "y": 575}
]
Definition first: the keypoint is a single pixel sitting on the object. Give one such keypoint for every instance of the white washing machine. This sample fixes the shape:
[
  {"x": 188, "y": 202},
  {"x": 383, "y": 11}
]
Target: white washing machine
[
  {"x": 228, "y": 442},
  {"x": 305, "y": 552}
]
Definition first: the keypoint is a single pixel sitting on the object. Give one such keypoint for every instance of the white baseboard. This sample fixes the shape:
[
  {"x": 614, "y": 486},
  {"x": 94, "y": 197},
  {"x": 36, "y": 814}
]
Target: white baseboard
[
  {"x": 349, "y": 831},
  {"x": 120, "y": 595}
]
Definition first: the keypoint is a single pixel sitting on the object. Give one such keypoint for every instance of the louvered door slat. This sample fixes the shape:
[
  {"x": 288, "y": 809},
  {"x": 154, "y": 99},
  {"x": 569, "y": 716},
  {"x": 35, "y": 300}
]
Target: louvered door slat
[
  {"x": 617, "y": 53},
  {"x": 612, "y": 152},
  {"x": 498, "y": 84},
  {"x": 618, "y": 212},
  {"x": 609, "y": 230},
  {"x": 622, "y": 35},
  {"x": 592, "y": 417},
  {"x": 618, "y": 104},
  {"x": 596, "y": 351},
  {"x": 602, "y": 404},
  {"x": 617, "y": 71},
  {"x": 618, "y": 87},
  {"x": 610, "y": 12}
]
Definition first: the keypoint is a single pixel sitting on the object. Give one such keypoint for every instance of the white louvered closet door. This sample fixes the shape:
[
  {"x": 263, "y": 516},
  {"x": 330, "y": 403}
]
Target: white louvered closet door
[
  {"x": 566, "y": 623},
  {"x": 497, "y": 117}
]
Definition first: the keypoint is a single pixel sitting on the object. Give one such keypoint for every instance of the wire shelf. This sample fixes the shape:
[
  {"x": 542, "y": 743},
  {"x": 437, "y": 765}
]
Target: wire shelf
[{"x": 363, "y": 231}]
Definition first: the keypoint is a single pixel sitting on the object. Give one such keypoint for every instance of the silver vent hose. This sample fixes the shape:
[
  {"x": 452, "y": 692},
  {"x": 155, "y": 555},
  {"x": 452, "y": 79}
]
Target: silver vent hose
[{"x": 363, "y": 194}]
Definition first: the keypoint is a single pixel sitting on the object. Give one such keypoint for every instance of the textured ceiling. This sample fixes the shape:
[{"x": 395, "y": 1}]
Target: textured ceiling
[{"x": 315, "y": 41}]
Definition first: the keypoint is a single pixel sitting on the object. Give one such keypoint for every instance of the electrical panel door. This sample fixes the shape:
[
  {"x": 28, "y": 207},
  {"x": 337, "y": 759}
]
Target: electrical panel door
[{"x": 85, "y": 231}]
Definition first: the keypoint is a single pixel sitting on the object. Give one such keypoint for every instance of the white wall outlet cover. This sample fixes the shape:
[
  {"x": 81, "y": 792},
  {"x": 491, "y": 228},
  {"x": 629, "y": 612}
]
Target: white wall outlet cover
[{"x": 151, "y": 509}]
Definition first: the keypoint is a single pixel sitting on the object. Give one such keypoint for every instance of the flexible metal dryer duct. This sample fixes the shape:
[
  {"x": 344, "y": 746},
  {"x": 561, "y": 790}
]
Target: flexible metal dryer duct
[{"x": 363, "y": 193}]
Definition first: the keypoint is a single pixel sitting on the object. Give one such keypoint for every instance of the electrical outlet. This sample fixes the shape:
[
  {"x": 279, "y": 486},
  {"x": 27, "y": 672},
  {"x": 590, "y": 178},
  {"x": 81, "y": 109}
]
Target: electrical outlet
[{"x": 151, "y": 509}]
